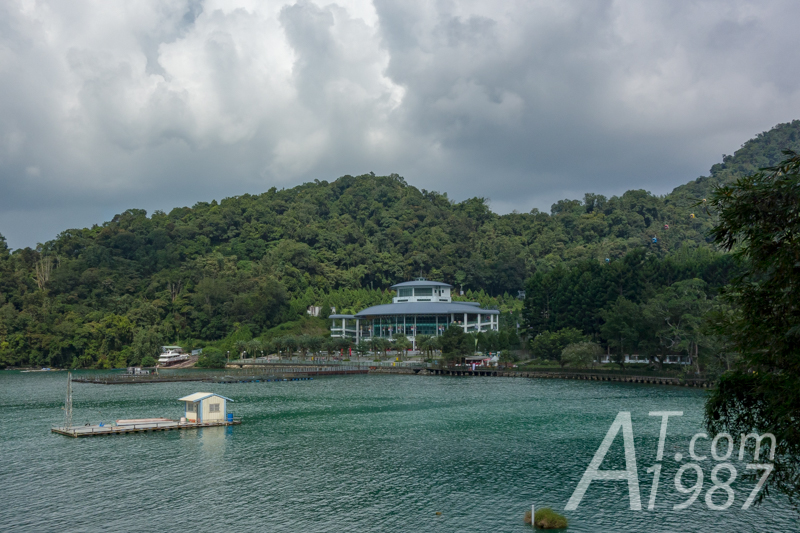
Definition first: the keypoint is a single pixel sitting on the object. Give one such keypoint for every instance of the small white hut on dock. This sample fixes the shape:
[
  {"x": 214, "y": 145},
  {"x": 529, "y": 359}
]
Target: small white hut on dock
[{"x": 203, "y": 407}]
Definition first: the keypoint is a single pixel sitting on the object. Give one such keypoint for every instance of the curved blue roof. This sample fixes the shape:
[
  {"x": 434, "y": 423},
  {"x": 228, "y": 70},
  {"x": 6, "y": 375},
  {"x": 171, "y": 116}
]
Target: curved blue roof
[
  {"x": 418, "y": 283},
  {"x": 425, "y": 308}
]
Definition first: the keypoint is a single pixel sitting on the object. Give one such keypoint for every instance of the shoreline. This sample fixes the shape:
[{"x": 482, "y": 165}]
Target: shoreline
[{"x": 247, "y": 371}]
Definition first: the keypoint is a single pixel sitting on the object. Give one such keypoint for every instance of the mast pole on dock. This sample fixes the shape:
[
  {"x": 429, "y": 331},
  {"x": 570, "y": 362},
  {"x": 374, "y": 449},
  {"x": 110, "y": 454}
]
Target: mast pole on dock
[{"x": 68, "y": 403}]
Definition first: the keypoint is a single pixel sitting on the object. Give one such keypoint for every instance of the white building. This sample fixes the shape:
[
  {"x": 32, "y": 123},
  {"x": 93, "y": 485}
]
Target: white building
[
  {"x": 205, "y": 407},
  {"x": 420, "y": 307},
  {"x": 636, "y": 358}
]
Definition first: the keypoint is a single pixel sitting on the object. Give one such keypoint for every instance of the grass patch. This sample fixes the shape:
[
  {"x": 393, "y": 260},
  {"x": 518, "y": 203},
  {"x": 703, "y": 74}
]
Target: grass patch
[{"x": 546, "y": 518}]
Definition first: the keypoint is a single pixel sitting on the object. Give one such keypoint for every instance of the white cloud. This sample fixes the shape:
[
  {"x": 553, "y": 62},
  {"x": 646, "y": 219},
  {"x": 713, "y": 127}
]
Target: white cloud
[{"x": 110, "y": 105}]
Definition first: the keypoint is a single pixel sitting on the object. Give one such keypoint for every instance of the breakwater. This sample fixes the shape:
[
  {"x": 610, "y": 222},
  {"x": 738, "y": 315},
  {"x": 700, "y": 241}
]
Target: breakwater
[
  {"x": 248, "y": 371},
  {"x": 585, "y": 376},
  {"x": 247, "y": 374}
]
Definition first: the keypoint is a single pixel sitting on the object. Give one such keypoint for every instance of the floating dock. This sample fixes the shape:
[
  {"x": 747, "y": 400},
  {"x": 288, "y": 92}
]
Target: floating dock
[{"x": 144, "y": 427}]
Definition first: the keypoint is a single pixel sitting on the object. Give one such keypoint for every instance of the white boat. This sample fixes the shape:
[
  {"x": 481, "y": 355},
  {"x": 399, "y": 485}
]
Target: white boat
[{"x": 171, "y": 355}]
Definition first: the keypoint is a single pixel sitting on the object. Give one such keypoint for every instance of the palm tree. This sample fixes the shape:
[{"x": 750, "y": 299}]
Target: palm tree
[
  {"x": 345, "y": 345},
  {"x": 400, "y": 343},
  {"x": 290, "y": 343},
  {"x": 241, "y": 347},
  {"x": 362, "y": 348},
  {"x": 422, "y": 341},
  {"x": 268, "y": 346},
  {"x": 315, "y": 343},
  {"x": 253, "y": 347},
  {"x": 331, "y": 345},
  {"x": 304, "y": 343},
  {"x": 432, "y": 345}
]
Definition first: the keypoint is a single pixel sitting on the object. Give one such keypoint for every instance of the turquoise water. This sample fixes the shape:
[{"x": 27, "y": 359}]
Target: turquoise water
[{"x": 357, "y": 453}]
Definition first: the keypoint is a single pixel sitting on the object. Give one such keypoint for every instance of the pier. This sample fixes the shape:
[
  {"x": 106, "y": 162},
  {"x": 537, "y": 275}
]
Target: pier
[
  {"x": 98, "y": 430},
  {"x": 585, "y": 376},
  {"x": 318, "y": 369}
]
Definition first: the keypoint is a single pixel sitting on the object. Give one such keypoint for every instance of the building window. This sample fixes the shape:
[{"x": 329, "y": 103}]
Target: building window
[
  {"x": 213, "y": 408},
  {"x": 191, "y": 407},
  {"x": 426, "y": 325},
  {"x": 423, "y": 292},
  {"x": 404, "y": 292}
]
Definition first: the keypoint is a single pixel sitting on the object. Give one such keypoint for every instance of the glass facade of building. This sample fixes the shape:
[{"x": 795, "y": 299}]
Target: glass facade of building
[{"x": 421, "y": 307}]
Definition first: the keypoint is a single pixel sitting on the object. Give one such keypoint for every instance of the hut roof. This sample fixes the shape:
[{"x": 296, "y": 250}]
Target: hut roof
[{"x": 197, "y": 396}]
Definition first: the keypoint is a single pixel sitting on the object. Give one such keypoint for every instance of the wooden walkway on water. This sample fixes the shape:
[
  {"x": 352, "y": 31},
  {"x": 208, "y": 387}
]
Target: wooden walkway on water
[
  {"x": 98, "y": 431},
  {"x": 585, "y": 376}
]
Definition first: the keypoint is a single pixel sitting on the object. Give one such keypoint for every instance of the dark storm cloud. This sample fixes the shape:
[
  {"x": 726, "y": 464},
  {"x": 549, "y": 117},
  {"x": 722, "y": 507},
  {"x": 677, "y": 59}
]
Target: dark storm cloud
[{"x": 112, "y": 105}]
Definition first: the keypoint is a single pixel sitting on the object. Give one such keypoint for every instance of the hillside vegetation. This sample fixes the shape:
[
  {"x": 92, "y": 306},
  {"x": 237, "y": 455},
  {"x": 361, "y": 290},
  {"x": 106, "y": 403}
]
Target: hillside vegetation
[{"x": 104, "y": 296}]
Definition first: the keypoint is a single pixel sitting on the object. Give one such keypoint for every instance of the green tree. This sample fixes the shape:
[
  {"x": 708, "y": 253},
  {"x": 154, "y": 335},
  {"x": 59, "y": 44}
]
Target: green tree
[
  {"x": 289, "y": 345},
  {"x": 211, "y": 358},
  {"x": 334, "y": 346},
  {"x": 380, "y": 345},
  {"x": 759, "y": 219},
  {"x": 431, "y": 345},
  {"x": 315, "y": 344},
  {"x": 401, "y": 344},
  {"x": 304, "y": 343},
  {"x": 455, "y": 343},
  {"x": 147, "y": 342},
  {"x": 325, "y": 312},
  {"x": 677, "y": 315},
  {"x": 422, "y": 342},
  {"x": 581, "y": 354},
  {"x": 242, "y": 348},
  {"x": 550, "y": 345},
  {"x": 623, "y": 327},
  {"x": 362, "y": 348}
]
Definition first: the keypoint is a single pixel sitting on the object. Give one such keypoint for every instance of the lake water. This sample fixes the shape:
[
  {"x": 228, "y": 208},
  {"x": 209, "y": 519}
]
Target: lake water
[{"x": 356, "y": 453}]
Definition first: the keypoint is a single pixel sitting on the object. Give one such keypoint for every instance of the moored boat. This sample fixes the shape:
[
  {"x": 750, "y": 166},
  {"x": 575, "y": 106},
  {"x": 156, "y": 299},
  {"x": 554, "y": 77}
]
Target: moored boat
[{"x": 171, "y": 355}]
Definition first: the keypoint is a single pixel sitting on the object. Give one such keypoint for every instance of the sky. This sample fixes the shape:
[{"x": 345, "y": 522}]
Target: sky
[{"x": 108, "y": 105}]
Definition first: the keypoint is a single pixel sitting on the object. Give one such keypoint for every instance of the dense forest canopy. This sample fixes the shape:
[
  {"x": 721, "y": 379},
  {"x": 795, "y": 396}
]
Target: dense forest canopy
[
  {"x": 759, "y": 221},
  {"x": 102, "y": 295}
]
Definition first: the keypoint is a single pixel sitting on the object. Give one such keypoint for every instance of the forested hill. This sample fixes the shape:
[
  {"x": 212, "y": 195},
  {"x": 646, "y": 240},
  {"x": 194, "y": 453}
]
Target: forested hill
[
  {"x": 259, "y": 260},
  {"x": 764, "y": 150}
]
